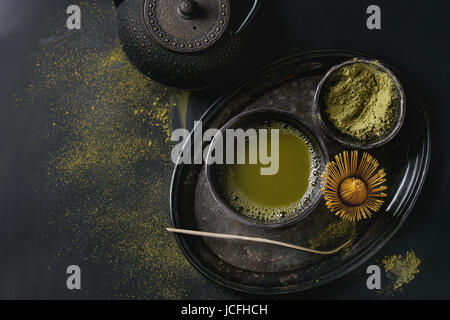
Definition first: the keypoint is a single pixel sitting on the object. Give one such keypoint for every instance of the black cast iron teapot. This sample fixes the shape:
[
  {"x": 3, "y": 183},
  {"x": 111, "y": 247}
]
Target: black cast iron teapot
[{"x": 186, "y": 44}]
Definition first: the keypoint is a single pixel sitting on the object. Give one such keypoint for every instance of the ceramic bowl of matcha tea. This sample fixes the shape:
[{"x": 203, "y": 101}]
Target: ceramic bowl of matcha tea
[
  {"x": 360, "y": 104},
  {"x": 270, "y": 175}
]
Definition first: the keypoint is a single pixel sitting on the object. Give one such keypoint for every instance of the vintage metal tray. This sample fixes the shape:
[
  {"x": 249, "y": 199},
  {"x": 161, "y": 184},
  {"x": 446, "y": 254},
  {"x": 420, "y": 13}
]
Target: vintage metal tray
[{"x": 289, "y": 84}]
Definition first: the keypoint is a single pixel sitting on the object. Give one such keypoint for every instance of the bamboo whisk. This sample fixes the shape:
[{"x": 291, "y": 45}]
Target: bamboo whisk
[{"x": 354, "y": 189}]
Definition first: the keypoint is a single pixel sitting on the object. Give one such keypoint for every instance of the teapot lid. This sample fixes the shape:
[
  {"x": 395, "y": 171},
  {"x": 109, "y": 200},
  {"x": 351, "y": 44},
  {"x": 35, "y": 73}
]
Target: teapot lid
[{"x": 186, "y": 25}]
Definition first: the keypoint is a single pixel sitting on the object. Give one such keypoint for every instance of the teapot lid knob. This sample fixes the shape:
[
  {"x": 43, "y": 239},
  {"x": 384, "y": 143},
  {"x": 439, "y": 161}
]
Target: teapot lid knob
[
  {"x": 187, "y": 9},
  {"x": 186, "y": 25}
]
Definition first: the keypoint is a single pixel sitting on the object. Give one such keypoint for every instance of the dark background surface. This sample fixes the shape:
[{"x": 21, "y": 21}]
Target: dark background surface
[{"x": 414, "y": 39}]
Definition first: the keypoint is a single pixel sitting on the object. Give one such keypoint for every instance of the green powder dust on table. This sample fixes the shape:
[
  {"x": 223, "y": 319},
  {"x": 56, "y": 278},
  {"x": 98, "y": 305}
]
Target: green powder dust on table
[
  {"x": 360, "y": 101},
  {"x": 108, "y": 163},
  {"x": 334, "y": 234},
  {"x": 401, "y": 269}
]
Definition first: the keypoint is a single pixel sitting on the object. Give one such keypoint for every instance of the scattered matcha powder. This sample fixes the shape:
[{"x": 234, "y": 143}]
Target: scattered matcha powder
[
  {"x": 109, "y": 163},
  {"x": 401, "y": 269},
  {"x": 360, "y": 101},
  {"x": 333, "y": 235}
]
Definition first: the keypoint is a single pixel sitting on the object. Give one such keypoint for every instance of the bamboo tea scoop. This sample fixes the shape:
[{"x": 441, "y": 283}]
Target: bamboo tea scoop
[{"x": 260, "y": 240}]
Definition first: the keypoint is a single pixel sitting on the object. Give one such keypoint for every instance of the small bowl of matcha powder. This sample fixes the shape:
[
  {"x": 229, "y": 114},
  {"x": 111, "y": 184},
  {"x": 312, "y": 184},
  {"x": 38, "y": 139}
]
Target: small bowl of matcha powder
[{"x": 360, "y": 103}]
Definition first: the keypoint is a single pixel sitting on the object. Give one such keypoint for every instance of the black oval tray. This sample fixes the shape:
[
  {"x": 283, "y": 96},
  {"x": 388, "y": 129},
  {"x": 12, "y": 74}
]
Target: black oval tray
[{"x": 289, "y": 84}]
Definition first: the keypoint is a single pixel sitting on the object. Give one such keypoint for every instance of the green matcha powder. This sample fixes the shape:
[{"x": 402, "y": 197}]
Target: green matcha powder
[{"x": 360, "y": 101}]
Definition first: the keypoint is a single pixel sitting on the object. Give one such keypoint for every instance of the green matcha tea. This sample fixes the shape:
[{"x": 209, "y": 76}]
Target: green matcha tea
[{"x": 268, "y": 198}]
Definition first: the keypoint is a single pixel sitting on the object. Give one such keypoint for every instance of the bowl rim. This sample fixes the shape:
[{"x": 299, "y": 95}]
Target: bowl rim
[
  {"x": 217, "y": 197},
  {"x": 393, "y": 131}
]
